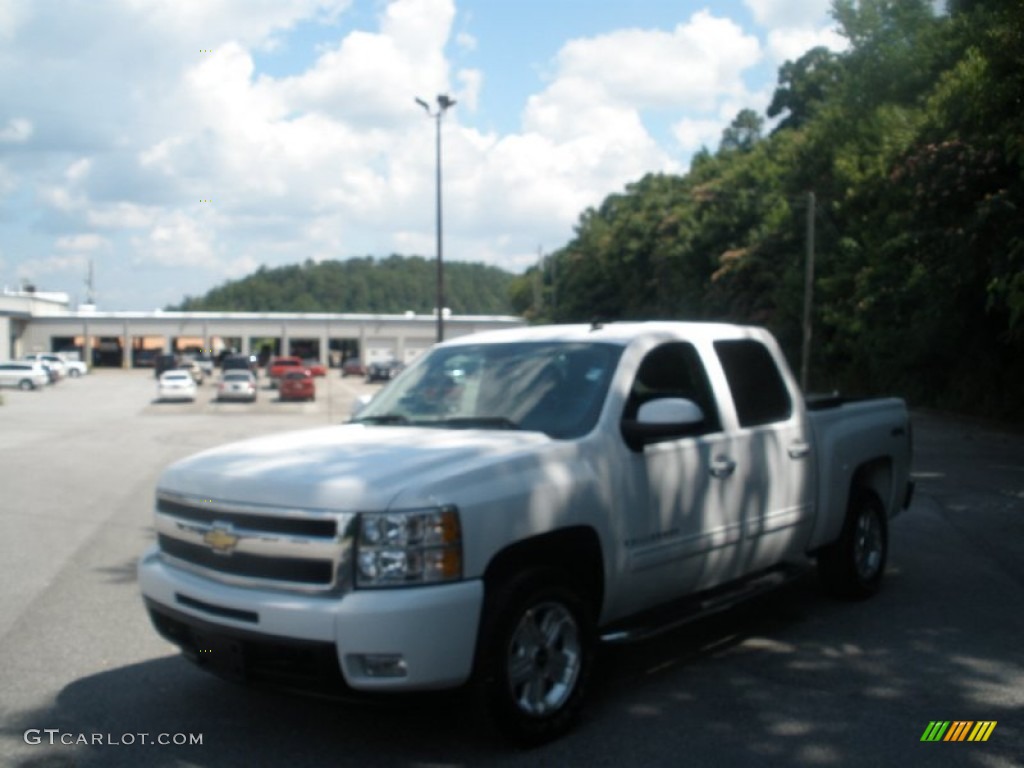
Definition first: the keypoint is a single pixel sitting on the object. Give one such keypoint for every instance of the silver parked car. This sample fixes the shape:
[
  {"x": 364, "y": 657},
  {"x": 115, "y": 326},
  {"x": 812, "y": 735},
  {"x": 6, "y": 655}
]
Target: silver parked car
[
  {"x": 237, "y": 385},
  {"x": 23, "y": 375}
]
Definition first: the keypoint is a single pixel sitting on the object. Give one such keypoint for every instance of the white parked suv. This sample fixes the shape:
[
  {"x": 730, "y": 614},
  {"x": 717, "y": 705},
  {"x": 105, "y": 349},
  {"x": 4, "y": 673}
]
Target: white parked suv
[
  {"x": 23, "y": 374},
  {"x": 75, "y": 367},
  {"x": 65, "y": 366}
]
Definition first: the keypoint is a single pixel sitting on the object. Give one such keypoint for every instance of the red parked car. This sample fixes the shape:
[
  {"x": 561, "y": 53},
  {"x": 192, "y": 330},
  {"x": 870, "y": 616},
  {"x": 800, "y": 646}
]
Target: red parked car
[
  {"x": 297, "y": 385},
  {"x": 279, "y": 366},
  {"x": 315, "y": 367}
]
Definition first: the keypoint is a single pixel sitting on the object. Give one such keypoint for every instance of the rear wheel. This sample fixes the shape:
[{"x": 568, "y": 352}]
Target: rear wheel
[
  {"x": 536, "y": 651},
  {"x": 854, "y": 565}
]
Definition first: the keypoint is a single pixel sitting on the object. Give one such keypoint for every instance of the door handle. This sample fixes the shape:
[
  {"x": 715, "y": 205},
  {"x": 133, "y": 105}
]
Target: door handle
[
  {"x": 722, "y": 466},
  {"x": 799, "y": 450}
]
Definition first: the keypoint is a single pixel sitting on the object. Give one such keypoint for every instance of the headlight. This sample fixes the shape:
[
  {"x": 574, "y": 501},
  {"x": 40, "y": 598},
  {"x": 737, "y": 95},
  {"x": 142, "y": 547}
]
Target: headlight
[{"x": 406, "y": 548}]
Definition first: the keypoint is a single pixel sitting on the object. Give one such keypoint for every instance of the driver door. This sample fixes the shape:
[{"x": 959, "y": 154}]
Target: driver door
[{"x": 684, "y": 532}]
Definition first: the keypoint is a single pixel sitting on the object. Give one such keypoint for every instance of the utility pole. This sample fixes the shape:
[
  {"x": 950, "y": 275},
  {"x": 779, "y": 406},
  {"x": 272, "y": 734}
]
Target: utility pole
[
  {"x": 538, "y": 283},
  {"x": 805, "y": 357},
  {"x": 443, "y": 104}
]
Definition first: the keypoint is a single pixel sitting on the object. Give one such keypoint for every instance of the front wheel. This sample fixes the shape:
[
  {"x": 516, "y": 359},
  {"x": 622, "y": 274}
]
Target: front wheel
[
  {"x": 537, "y": 648},
  {"x": 26, "y": 384},
  {"x": 853, "y": 566}
]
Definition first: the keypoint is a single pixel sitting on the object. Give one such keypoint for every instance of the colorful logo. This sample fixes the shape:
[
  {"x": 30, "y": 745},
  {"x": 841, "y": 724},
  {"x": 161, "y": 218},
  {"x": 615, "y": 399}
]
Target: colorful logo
[{"x": 958, "y": 730}]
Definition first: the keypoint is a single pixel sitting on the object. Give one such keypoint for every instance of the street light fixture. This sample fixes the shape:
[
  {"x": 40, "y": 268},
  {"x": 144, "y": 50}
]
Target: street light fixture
[{"x": 443, "y": 104}]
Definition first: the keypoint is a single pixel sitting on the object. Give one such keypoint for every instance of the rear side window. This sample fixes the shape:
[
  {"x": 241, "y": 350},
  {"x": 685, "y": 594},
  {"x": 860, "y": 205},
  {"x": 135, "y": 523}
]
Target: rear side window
[{"x": 757, "y": 387}]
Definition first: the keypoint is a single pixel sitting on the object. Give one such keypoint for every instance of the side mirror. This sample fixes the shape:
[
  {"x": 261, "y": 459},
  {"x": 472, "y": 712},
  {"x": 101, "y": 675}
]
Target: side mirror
[
  {"x": 662, "y": 419},
  {"x": 668, "y": 411}
]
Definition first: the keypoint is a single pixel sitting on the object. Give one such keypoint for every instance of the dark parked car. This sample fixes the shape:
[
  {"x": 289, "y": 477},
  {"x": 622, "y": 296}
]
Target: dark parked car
[
  {"x": 165, "y": 363},
  {"x": 144, "y": 358},
  {"x": 383, "y": 371},
  {"x": 241, "y": 363},
  {"x": 353, "y": 366}
]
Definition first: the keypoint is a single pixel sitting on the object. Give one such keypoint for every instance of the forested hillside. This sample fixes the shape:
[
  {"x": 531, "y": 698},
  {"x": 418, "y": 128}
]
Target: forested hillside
[
  {"x": 392, "y": 285},
  {"x": 912, "y": 142}
]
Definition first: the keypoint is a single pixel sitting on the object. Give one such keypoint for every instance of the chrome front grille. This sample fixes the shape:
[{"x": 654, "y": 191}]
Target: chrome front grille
[{"x": 295, "y": 550}]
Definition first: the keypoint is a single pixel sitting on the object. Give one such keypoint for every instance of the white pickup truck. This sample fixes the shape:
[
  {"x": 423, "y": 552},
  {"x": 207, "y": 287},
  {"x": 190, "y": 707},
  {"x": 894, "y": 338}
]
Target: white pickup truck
[{"x": 513, "y": 498}]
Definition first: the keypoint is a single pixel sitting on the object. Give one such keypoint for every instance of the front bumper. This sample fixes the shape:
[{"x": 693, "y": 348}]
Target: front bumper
[{"x": 259, "y": 635}]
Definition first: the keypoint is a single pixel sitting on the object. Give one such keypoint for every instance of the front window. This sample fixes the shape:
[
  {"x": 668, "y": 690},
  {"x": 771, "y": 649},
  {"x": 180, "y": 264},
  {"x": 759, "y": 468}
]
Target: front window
[{"x": 553, "y": 387}]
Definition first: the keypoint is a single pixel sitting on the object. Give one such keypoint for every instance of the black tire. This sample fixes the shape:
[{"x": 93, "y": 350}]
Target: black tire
[
  {"x": 74, "y": 373},
  {"x": 25, "y": 385},
  {"x": 853, "y": 566},
  {"x": 536, "y": 650}
]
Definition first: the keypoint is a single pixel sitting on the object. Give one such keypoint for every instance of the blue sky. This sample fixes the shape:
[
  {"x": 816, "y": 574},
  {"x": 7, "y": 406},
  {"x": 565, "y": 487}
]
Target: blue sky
[{"x": 177, "y": 144}]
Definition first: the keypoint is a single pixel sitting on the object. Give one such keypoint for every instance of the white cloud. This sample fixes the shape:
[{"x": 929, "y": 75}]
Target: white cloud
[
  {"x": 252, "y": 22},
  {"x": 8, "y": 181},
  {"x": 694, "y": 133},
  {"x": 795, "y": 26},
  {"x": 790, "y": 44},
  {"x": 585, "y": 135},
  {"x": 82, "y": 242},
  {"x": 176, "y": 240},
  {"x": 17, "y": 131},
  {"x": 78, "y": 170},
  {"x": 12, "y": 15},
  {"x": 365, "y": 80},
  {"x": 76, "y": 263},
  {"x": 788, "y": 13},
  {"x": 692, "y": 65},
  {"x": 471, "y": 81},
  {"x": 120, "y": 215},
  {"x": 336, "y": 160}
]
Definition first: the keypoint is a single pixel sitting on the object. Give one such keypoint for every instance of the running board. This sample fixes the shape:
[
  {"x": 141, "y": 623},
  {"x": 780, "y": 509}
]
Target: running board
[{"x": 678, "y": 613}]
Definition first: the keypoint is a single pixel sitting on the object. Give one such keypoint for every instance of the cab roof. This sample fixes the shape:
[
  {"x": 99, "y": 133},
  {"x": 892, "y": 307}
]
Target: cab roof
[{"x": 621, "y": 333}]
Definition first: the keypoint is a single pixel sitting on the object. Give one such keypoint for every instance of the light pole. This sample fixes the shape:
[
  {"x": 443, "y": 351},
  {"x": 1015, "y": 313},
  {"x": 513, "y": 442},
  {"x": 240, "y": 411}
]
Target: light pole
[{"x": 443, "y": 104}]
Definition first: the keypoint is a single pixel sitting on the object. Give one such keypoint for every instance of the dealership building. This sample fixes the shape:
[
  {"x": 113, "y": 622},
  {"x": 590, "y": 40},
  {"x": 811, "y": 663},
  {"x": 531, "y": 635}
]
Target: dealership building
[{"x": 32, "y": 322}]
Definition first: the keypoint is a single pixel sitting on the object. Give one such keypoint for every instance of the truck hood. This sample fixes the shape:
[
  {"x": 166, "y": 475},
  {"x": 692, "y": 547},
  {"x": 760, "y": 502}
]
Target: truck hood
[{"x": 348, "y": 468}]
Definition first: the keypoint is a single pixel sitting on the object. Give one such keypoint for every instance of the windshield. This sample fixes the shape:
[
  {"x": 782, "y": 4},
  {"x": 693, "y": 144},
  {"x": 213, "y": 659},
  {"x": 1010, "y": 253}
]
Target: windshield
[{"x": 553, "y": 387}]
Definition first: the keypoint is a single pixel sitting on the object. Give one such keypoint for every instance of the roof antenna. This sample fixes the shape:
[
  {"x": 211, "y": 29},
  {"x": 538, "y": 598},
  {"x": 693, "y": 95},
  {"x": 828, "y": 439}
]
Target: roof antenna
[
  {"x": 90, "y": 297},
  {"x": 596, "y": 324}
]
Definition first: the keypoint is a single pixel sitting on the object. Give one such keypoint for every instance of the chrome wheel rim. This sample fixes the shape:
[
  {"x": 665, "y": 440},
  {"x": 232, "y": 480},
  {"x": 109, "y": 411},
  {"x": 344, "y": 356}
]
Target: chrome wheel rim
[
  {"x": 867, "y": 545},
  {"x": 544, "y": 658}
]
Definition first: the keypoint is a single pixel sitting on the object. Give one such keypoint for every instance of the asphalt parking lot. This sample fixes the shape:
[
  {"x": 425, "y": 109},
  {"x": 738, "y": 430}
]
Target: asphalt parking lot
[{"x": 793, "y": 678}]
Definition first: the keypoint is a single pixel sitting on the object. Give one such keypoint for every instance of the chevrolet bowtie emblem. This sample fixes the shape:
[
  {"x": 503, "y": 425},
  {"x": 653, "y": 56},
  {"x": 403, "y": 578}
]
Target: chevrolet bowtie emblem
[{"x": 220, "y": 539}]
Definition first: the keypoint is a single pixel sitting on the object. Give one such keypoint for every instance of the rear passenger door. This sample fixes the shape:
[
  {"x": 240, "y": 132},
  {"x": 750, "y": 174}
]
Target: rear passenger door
[{"x": 773, "y": 446}]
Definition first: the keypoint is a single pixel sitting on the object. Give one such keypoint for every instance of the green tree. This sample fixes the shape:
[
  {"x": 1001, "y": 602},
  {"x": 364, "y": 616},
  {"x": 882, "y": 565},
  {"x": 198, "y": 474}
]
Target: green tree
[{"x": 804, "y": 85}]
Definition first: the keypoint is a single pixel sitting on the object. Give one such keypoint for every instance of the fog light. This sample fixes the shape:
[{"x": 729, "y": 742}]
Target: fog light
[{"x": 381, "y": 664}]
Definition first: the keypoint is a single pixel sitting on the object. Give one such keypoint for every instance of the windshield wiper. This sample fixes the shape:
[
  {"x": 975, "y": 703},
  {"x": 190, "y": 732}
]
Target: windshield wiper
[
  {"x": 482, "y": 422},
  {"x": 384, "y": 418}
]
